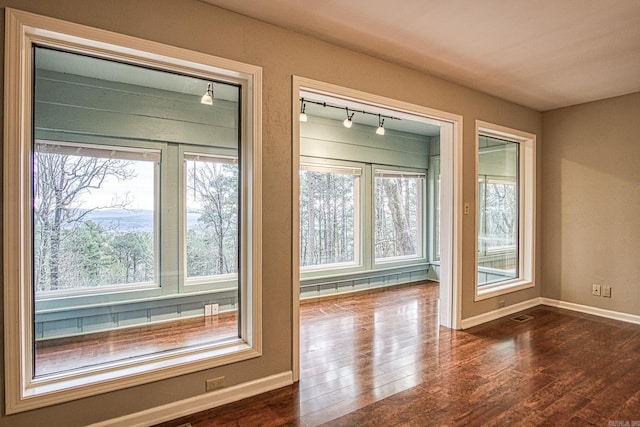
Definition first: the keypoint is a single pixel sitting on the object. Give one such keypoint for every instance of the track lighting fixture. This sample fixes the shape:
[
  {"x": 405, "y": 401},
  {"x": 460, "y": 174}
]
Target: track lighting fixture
[
  {"x": 347, "y": 122},
  {"x": 380, "y": 130},
  {"x": 207, "y": 98},
  {"x": 303, "y": 115}
]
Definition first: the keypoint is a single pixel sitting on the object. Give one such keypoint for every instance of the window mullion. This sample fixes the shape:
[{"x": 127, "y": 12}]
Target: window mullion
[{"x": 170, "y": 192}]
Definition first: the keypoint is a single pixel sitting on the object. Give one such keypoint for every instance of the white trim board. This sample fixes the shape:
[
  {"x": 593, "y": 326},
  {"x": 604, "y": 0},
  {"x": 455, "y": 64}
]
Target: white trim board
[
  {"x": 506, "y": 311},
  {"x": 470, "y": 322},
  {"x": 601, "y": 312},
  {"x": 202, "y": 402}
]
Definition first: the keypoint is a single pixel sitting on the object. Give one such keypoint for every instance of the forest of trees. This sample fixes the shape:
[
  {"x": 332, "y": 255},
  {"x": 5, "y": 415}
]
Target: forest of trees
[
  {"x": 327, "y": 218},
  {"x": 70, "y": 251},
  {"x": 397, "y": 216},
  {"x": 212, "y": 236},
  {"x": 74, "y": 251}
]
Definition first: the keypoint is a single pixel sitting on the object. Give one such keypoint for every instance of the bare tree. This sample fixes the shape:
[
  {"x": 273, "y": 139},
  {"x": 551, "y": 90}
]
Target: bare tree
[
  {"x": 326, "y": 218},
  {"x": 60, "y": 180},
  {"x": 396, "y": 216},
  {"x": 216, "y": 186}
]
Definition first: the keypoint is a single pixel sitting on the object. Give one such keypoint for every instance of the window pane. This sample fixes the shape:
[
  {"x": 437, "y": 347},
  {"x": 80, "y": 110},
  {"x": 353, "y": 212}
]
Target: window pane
[
  {"x": 328, "y": 224},
  {"x": 398, "y": 216},
  {"x": 107, "y": 246},
  {"x": 93, "y": 219},
  {"x": 497, "y": 211},
  {"x": 212, "y": 217}
]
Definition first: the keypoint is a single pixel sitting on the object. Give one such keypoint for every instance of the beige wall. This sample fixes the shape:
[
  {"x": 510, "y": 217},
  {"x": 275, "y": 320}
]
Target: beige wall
[
  {"x": 201, "y": 27},
  {"x": 591, "y": 198}
]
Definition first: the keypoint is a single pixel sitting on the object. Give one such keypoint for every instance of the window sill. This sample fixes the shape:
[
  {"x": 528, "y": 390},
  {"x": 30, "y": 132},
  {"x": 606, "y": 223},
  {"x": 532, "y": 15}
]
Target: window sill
[
  {"x": 387, "y": 263},
  {"x": 330, "y": 270},
  {"x": 54, "y": 389},
  {"x": 497, "y": 289}
]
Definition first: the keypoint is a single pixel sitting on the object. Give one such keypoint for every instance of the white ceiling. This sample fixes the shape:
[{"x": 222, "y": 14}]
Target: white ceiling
[{"x": 543, "y": 54}]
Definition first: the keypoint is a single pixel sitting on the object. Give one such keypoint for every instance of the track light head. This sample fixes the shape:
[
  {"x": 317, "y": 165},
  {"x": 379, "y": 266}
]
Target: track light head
[
  {"x": 380, "y": 130},
  {"x": 303, "y": 115},
  {"x": 207, "y": 98},
  {"x": 347, "y": 122}
]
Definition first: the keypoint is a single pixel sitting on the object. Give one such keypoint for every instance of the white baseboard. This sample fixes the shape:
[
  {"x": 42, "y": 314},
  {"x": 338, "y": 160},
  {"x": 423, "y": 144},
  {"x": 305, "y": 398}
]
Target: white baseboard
[
  {"x": 199, "y": 403},
  {"x": 506, "y": 311},
  {"x": 616, "y": 315},
  {"x": 501, "y": 312}
]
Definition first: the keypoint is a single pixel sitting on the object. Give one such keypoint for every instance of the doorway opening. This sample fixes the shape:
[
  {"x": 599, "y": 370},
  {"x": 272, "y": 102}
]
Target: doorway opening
[{"x": 375, "y": 197}]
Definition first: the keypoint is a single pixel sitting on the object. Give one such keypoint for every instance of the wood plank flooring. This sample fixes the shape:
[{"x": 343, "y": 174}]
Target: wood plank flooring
[
  {"x": 64, "y": 354},
  {"x": 380, "y": 359}
]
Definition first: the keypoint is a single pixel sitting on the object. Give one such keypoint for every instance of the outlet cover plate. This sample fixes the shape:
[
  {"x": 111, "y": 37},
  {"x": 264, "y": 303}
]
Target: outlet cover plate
[
  {"x": 214, "y": 384},
  {"x": 595, "y": 290}
]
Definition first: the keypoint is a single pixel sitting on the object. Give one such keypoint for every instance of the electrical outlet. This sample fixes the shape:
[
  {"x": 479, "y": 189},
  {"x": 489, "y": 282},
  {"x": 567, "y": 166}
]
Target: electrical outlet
[
  {"x": 214, "y": 384},
  {"x": 207, "y": 310},
  {"x": 606, "y": 291},
  {"x": 467, "y": 209},
  {"x": 214, "y": 309},
  {"x": 595, "y": 290}
]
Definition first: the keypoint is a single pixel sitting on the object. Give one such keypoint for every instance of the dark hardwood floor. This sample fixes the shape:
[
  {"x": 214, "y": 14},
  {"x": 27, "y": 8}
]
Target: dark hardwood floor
[
  {"x": 63, "y": 354},
  {"x": 380, "y": 359}
]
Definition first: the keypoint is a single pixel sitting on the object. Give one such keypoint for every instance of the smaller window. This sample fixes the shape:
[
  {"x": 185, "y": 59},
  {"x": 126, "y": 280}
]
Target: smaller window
[
  {"x": 398, "y": 215},
  {"x": 329, "y": 216}
]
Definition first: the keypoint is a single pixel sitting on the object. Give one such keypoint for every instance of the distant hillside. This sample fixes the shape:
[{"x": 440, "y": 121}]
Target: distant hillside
[{"x": 137, "y": 220}]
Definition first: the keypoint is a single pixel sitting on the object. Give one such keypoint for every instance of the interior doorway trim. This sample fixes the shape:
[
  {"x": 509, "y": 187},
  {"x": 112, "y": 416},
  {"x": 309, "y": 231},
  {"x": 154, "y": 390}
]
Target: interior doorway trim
[{"x": 450, "y": 207}]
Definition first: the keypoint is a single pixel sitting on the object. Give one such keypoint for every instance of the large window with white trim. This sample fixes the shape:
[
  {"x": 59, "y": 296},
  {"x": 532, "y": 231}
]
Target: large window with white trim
[
  {"x": 505, "y": 210},
  {"x": 134, "y": 214}
]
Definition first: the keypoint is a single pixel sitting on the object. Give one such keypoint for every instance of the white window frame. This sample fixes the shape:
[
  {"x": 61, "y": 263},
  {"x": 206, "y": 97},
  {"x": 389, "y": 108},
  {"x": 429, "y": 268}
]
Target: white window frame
[
  {"x": 526, "y": 210},
  {"x": 22, "y": 391},
  {"x": 421, "y": 256},
  {"x": 346, "y": 168}
]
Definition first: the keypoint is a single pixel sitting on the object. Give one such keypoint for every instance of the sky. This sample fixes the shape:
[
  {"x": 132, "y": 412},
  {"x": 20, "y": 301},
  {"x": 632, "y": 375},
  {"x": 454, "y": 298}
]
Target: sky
[{"x": 139, "y": 190}]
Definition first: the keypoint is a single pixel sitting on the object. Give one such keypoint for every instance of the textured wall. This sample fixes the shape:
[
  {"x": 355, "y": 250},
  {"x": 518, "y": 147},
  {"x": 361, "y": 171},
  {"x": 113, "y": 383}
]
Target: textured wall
[
  {"x": 591, "y": 199},
  {"x": 197, "y": 26}
]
